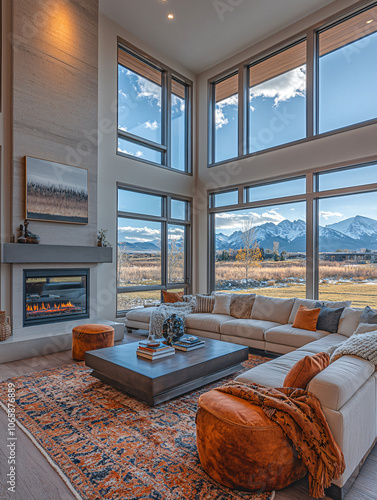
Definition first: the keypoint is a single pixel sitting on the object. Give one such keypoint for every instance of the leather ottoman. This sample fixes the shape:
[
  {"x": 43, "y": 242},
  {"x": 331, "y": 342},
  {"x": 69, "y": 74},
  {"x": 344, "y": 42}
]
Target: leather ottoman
[
  {"x": 241, "y": 448},
  {"x": 90, "y": 337}
]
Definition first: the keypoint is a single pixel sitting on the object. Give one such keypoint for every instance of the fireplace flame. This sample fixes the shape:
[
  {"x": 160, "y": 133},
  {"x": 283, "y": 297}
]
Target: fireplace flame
[{"x": 30, "y": 308}]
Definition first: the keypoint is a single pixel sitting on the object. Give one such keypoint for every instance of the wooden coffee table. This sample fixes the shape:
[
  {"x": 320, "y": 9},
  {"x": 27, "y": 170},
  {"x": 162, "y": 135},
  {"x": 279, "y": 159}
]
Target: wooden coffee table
[{"x": 163, "y": 379}]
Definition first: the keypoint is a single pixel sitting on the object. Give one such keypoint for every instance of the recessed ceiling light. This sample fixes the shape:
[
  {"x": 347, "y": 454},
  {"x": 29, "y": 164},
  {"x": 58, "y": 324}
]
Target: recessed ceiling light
[
  {"x": 170, "y": 16},
  {"x": 370, "y": 21}
]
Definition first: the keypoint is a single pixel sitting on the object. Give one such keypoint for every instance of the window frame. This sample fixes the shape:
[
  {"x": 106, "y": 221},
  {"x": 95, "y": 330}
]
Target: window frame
[
  {"x": 311, "y": 197},
  {"x": 311, "y": 35},
  {"x": 167, "y": 75},
  {"x": 165, "y": 221}
]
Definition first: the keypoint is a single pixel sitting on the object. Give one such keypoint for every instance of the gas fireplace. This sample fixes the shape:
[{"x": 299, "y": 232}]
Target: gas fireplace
[{"x": 52, "y": 295}]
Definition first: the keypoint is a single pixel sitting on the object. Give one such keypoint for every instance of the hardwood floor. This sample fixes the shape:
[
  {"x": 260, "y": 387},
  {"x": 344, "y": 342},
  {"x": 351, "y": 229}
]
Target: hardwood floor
[{"x": 37, "y": 480}]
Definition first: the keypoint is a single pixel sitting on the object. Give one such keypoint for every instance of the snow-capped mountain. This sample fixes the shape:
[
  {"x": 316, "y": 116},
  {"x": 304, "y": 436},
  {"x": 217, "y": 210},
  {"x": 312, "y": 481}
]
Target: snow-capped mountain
[{"x": 352, "y": 234}]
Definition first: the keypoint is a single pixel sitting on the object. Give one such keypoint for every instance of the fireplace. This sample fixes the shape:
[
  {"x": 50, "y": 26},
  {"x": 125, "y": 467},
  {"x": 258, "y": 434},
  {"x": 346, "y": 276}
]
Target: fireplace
[{"x": 52, "y": 295}]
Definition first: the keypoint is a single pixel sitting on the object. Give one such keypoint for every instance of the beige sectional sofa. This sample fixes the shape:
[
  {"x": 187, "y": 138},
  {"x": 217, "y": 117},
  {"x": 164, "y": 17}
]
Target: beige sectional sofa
[{"x": 347, "y": 389}]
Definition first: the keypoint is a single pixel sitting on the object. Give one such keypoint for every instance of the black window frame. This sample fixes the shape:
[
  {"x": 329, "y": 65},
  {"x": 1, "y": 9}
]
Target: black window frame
[
  {"x": 166, "y": 220},
  {"x": 167, "y": 75}
]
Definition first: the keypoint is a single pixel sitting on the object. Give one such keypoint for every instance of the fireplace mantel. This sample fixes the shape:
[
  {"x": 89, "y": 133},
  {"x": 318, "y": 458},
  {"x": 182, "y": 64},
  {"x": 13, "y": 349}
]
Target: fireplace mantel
[{"x": 23, "y": 253}]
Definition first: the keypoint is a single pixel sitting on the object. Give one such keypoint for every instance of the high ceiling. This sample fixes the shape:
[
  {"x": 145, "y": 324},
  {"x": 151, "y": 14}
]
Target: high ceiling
[{"x": 205, "y": 32}]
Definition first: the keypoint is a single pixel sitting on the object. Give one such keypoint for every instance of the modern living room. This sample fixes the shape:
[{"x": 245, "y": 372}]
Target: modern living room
[{"x": 188, "y": 176}]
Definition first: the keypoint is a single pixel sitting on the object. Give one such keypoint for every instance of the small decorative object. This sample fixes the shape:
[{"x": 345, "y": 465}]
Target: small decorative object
[
  {"x": 101, "y": 238},
  {"x": 5, "y": 328},
  {"x": 173, "y": 328},
  {"x": 13, "y": 238},
  {"x": 56, "y": 192},
  {"x": 30, "y": 237},
  {"x": 21, "y": 237}
]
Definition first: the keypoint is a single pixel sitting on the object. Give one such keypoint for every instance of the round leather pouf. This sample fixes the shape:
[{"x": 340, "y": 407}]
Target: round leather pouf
[
  {"x": 241, "y": 448},
  {"x": 90, "y": 337}
]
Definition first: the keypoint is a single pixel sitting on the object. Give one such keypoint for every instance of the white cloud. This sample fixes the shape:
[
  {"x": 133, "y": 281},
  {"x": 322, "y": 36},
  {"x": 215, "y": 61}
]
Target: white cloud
[
  {"x": 139, "y": 154},
  {"x": 151, "y": 125},
  {"x": 283, "y": 87},
  {"x": 235, "y": 221},
  {"x": 220, "y": 116},
  {"x": 148, "y": 90},
  {"x": 122, "y": 94},
  {"x": 139, "y": 234},
  {"x": 330, "y": 215}
]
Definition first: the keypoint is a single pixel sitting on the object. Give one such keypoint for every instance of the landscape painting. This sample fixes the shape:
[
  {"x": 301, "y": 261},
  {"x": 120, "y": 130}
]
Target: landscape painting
[{"x": 56, "y": 192}]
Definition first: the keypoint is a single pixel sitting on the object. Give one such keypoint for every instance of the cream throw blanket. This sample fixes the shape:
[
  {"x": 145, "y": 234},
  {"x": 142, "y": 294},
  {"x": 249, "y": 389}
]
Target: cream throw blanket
[
  {"x": 164, "y": 311},
  {"x": 363, "y": 345}
]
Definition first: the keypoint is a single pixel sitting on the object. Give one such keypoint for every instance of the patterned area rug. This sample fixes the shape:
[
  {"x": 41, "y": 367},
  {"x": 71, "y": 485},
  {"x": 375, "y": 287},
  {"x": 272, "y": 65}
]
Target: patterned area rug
[{"x": 107, "y": 445}]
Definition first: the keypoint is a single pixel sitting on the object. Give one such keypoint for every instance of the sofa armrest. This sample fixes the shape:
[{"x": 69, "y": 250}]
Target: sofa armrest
[{"x": 335, "y": 385}]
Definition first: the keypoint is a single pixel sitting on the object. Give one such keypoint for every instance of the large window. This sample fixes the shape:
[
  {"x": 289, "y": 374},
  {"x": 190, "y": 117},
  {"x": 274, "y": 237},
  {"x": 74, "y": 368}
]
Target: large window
[
  {"x": 313, "y": 236},
  {"x": 153, "y": 247},
  {"x": 298, "y": 91},
  {"x": 154, "y": 120},
  {"x": 261, "y": 249}
]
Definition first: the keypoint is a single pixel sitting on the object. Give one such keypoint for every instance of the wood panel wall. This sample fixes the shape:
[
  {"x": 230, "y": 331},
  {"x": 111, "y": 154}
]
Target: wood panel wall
[{"x": 55, "y": 101}]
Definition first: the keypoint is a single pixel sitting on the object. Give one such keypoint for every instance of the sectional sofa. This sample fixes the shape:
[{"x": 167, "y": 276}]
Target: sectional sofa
[{"x": 347, "y": 389}]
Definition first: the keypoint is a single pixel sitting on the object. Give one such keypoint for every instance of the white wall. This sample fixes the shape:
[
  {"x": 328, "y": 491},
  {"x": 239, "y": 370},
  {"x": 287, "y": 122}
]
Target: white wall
[
  {"x": 114, "y": 168},
  {"x": 347, "y": 146}
]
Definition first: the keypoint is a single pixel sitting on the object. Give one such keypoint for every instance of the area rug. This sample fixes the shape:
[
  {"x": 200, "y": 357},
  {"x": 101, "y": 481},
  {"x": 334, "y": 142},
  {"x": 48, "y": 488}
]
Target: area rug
[{"x": 106, "y": 445}]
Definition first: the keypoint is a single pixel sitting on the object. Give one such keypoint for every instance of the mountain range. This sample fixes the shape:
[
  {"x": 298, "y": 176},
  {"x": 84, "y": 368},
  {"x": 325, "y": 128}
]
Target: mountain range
[{"x": 355, "y": 234}]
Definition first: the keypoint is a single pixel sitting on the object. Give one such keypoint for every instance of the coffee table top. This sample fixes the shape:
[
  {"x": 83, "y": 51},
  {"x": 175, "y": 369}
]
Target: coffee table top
[{"x": 124, "y": 357}]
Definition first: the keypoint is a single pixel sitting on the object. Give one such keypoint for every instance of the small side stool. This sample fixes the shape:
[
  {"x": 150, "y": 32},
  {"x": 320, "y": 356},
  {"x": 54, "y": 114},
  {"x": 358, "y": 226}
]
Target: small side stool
[
  {"x": 90, "y": 337},
  {"x": 241, "y": 448}
]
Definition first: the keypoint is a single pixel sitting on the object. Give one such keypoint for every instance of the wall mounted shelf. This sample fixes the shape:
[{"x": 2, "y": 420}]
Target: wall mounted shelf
[{"x": 23, "y": 253}]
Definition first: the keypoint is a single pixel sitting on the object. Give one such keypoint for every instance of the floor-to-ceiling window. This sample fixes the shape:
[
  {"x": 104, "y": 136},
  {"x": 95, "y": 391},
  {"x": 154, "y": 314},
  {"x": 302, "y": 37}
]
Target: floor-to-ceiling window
[
  {"x": 153, "y": 251},
  {"x": 313, "y": 236}
]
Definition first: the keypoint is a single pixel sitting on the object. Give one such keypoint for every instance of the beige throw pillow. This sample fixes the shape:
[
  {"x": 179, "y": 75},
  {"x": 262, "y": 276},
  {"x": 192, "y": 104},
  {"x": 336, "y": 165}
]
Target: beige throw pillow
[
  {"x": 241, "y": 305},
  {"x": 365, "y": 328},
  {"x": 204, "y": 303},
  {"x": 222, "y": 303}
]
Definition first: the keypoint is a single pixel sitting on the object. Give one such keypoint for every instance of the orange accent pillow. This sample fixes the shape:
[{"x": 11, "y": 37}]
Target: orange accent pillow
[
  {"x": 304, "y": 370},
  {"x": 171, "y": 297},
  {"x": 306, "y": 319}
]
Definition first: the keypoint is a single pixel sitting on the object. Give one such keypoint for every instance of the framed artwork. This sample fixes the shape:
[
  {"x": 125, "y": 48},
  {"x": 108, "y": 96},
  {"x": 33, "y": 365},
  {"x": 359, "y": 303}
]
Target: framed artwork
[{"x": 56, "y": 192}]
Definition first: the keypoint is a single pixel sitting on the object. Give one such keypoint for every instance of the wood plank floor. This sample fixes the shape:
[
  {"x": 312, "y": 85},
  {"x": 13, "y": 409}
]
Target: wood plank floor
[{"x": 37, "y": 480}]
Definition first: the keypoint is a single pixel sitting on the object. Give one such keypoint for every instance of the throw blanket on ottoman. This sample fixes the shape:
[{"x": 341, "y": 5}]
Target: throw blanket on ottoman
[
  {"x": 300, "y": 416},
  {"x": 362, "y": 345},
  {"x": 164, "y": 311}
]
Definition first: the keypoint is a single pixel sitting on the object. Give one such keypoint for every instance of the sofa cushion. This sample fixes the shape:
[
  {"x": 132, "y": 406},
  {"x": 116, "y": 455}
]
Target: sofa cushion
[
  {"x": 294, "y": 337},
  {"x": 305, "y": 369},
  {"x": 247, "y": 328},
  {"x": 306, "y": 319},
  {"x": 311, "y": 304},
  {"x": 328, "y": 319},
  {"x": 204, "y": 321},
  {"x": 222, "y": 303},
  {"x": 325, "y": 343},
  {"x": 368, "y": 316},
  {"x": 241, "y": 305},
  {"x": 365, "y": 328},
  {"x": 349, "y": 321},
  {"x": 142, "y": 315},
  {"x": 271, "y": 309},
  {"x": 272, "y": 373},
  {"x": 335, "y": 385}
]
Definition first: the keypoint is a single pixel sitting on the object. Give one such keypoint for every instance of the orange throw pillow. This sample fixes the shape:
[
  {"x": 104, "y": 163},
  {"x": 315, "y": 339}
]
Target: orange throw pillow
[
  {"x": 304, "y": 370},
  {"x": 171, "y": 297},
  {"x": 306, "y": 319}
]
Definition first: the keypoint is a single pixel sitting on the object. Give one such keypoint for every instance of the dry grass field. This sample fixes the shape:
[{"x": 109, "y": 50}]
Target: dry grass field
[{"x": 59, "y": 202}]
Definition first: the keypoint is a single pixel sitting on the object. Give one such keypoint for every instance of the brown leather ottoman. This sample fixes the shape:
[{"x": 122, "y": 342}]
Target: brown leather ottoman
[
  {"x": 90, "y": 337},
  {"x": 240, "y": 447}
]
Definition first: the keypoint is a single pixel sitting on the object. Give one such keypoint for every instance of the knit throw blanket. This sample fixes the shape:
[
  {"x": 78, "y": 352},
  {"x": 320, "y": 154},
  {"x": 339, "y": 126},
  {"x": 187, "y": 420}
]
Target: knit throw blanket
[
  {"x": 300, "y": 416},
  {"x": 363, "y": 345},
  {"x": 164, "y": 311}
]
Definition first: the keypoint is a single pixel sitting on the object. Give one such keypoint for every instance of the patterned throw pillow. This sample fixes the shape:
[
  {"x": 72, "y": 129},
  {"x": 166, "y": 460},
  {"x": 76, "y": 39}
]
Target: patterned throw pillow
[
  {"x": 368, "y": 316},
  {"x": 328, "y": 319},
  {"x": 204, "y": 303},
  {"x": 241, "y": 305}
]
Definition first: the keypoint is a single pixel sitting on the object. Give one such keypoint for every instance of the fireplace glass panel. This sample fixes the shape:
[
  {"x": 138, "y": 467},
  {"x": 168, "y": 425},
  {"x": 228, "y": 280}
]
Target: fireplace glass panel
[{"x": 52, "y": 296}]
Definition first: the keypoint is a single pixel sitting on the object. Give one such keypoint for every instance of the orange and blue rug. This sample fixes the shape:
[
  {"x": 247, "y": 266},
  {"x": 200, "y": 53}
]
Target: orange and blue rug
[{"x": 107, "y": 445}]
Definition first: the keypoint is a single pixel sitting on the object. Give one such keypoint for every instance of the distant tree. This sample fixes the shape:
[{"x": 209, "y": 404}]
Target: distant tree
[
  {"x": 276, "y": 247},
  {"x": 368, "y": 250},
  {"x": 123, "y": 262},
  {"x": 224, "y": 256},
  {"x": 249, "y": 255},
  {"x": 283, "y": 255},
  {"x": 175, "y": 261},
  {"x": 262, "y": 252}
]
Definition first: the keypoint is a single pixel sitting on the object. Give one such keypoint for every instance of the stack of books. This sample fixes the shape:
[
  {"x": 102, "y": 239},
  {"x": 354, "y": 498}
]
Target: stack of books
[
  {"x": 154, "y": 352},
  {"x": 188, "y": 343}
]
